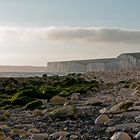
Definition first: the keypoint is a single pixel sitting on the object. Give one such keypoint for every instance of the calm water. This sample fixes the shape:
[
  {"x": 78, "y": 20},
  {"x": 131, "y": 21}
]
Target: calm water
[
  {"x": 22, "y": 74},
  {"x": 28, "y": 74}
]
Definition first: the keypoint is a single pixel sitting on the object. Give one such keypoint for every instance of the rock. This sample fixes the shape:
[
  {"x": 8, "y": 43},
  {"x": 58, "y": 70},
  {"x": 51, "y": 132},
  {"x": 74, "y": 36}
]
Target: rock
[
  {"x": 121, "y": 136},
  {"x": 137, "y": 103},
  {"x": 119, "y": 99},
  {"x": 125, "y": 92},
  {"x": 34, "y": 130},
  {"x": 133, "y": 114},
  {"x": 136, "y": 108},
  {"x": 37, "y": 112},
  {"x": 44, "y": 76},
  {"x": 123, "y": 126},
  {"x": 3, "y": 126},
  {"x": 136, "y": 129},
  {"x": 20, "y": 132},
  {"x": 26, "y": 125},
  {"x": 64, "y": 93},
  {"x": 64, "y": 111},
  {"x": 66, "y": 103},
  {"x": 104, "y": 110},
  {"x": 74, "y": 137},
  {"x": 2, "y": 135},
  {"x": 85, "y": 111},
  {"x": 75, "y": 96},
  {"x": 85, "y": 136},
  {"x": 137, "y": 91},
  {"x": 8, "y": 138},
  {"x": 15, "y": 137},
  {"x": 102, "y": 119},
  {"x": 137, "y": 119},
  {"x": 110, "y": 129},
  {"x": 137, "y": 137},
  {"x": 40, "y": 136},
  {"x": 61, "y": 135},
  {"x": 96, "y": 129},
  {"x": 50, "y": 130},
  {"x": 108, "y": 98},
  {"x": 121, "y": 107},
  {"x": 93, "y": 101},
  {"x": 58, "y": 100},
  {"x": 2, "y": 112}
]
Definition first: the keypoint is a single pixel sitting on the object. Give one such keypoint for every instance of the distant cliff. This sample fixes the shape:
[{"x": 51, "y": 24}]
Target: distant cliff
[
  {"x": 124, "y": 61},
  {"x": 22, "y": 69}
]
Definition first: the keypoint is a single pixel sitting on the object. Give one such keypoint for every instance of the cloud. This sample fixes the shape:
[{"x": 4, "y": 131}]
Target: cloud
[
  {"x": 69, "y": 34},
  {"x": 92, "y": 35}
]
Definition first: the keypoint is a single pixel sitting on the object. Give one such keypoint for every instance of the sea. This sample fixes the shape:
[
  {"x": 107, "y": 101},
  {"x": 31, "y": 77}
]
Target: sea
[{"x": 24, "y": 74}]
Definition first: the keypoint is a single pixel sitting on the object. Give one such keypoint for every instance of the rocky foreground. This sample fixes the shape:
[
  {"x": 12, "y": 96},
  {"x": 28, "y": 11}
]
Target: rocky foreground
[{"x": 91, "y": 106}]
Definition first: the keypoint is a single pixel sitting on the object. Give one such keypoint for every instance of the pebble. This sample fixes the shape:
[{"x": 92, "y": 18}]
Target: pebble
[
  {"x": 62, "y": 135},
  {"x": 137, "y": 137},
  {"x": 121, "y": 136},
  {"x": 40, "y": 136},
  {"x": 50, "y": 130},
  {"x": 74, "y": 137},
  {"x": 137, "y": 119},
  {"x": 102, "y": 119},
  {"x": 93, "y": 101}
]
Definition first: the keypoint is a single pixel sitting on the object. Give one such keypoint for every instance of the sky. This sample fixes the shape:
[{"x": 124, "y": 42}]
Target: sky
[{"x": 34, "y": 32}]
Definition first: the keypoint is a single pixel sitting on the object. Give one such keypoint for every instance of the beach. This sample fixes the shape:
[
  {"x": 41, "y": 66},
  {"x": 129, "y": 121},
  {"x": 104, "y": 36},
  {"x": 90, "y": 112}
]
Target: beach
[{"x": 89, "y": 106}]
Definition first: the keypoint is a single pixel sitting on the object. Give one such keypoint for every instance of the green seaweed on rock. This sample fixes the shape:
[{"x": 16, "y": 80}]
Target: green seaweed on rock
[
  {"x": 22, "y": 101},
  {"x": 33, "y": 105}
]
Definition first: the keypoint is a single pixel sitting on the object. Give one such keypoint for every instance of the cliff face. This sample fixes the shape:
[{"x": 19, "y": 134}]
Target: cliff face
[
  {"x": 71, "y": 67},
  {"x": 66, "y": 67},
  {"x": 122, "y": 62}
]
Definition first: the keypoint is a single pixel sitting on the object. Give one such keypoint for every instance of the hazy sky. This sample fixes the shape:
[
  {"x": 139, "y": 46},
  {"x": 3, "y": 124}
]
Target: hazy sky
[{"x": 33, "y": 32}]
